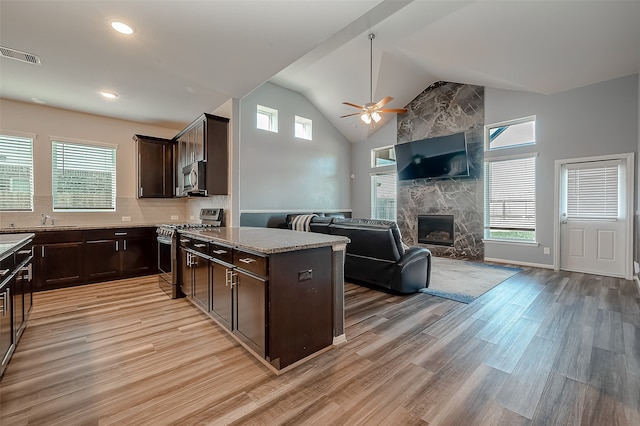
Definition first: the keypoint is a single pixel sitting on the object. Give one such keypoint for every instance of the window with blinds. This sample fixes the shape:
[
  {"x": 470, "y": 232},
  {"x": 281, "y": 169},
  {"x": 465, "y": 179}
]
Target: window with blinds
[
  {"x": 510, "y": 199},
  {"x": 592, "y": 190},
  {"x": 83, "y": 176},
  {"x": 383, "y": 196},
  {"x": 16, "y": 173}
]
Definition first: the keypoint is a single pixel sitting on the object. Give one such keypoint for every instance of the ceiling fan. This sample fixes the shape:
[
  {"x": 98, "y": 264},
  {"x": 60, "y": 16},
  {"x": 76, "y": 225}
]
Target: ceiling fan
[{"x": 371, "y": 111}]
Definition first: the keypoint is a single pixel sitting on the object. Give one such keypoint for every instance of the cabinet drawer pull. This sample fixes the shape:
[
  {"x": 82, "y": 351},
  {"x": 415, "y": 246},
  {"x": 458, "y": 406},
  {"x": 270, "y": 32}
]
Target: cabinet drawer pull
[
  {"x": 6, "y": 297},
  {"x": 184, "y": 240},
  {"x": 220, "y": 252},
  {"x": 120, "y": 234},
  {"x": 24, "y": 252},
  {"x": 247, "y": 260},
  {"x": 199, "y": 245}
]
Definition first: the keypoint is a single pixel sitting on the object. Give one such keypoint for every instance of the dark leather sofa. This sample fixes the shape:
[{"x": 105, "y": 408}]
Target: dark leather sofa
[{"x": 376, "y": 256}]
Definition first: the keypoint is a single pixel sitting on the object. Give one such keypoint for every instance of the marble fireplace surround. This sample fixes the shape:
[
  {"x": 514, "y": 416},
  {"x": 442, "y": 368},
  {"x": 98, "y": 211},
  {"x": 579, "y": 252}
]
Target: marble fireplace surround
[{"x": 445, "y": 108}]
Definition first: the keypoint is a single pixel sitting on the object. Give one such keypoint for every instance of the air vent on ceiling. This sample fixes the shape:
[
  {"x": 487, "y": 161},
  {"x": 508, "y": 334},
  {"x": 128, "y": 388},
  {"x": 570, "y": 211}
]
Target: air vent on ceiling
[{"x": 19, "y": 56}]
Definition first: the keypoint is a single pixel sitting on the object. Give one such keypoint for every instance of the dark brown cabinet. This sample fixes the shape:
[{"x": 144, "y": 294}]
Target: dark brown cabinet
[
  {"x": 195, "y": 271},
  {"x": 117, "y": 253},
  {"x": 250, "y": 308},
  {"x": 58, "y": 259},
  {"x": 67, "y": 258},
  {"x": 15, "y": 296},
  {"x": 155, "y": 167},
  {"x": 205, "y": 139}
]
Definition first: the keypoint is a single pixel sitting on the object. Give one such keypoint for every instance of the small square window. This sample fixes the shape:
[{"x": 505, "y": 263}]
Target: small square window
[
  {"x": 303, "y": 128},
  {"x": 381, "y": 157},
  {"x": 267, "y": 119}
]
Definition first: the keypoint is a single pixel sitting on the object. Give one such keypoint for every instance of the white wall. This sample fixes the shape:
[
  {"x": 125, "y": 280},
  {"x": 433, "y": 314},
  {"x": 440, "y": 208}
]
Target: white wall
[
  {"x": 278, "y": 172},
  {"x": 47, "y": 122}
]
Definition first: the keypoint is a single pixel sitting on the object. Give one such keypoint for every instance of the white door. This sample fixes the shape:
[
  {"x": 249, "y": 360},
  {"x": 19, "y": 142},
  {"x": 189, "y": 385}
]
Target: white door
[{"x": 594, "y": 236}]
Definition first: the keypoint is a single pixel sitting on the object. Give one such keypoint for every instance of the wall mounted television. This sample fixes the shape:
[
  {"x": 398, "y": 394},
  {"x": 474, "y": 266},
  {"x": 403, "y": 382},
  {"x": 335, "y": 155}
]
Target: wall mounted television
[{"x": 433, "y": 158}]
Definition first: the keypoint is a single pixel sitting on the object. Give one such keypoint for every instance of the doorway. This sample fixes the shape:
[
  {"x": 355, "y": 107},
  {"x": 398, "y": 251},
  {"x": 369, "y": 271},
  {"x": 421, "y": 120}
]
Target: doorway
[{"x": 594, "y": 215}]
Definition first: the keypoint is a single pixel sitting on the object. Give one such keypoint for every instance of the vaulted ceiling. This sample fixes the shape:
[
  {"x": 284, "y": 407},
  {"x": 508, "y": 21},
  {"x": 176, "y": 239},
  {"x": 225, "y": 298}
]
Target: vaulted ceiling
[{"x": 188, "y": 57}]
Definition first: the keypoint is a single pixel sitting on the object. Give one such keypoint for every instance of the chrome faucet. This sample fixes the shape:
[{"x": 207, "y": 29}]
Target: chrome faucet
[{"x": 44, "y": 218}]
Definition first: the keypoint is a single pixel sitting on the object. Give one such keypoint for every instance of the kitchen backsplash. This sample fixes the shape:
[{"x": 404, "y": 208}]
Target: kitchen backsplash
[{"x": 138, "y": 211}]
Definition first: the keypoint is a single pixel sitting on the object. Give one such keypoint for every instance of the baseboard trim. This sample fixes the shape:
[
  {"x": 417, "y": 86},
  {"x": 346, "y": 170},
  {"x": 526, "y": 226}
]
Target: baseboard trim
[
  {"x": 517, "y": 262},
  {"x": 338, "y": 340},
  {"x": 637, "y": 280}
]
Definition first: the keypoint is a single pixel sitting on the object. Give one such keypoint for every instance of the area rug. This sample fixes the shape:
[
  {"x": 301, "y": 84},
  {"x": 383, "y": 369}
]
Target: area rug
[{"x": 463, "y": 280}]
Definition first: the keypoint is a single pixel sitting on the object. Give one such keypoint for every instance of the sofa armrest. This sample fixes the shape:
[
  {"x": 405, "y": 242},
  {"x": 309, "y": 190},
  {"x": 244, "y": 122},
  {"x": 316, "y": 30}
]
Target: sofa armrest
[{"x": 413, "y": 253}]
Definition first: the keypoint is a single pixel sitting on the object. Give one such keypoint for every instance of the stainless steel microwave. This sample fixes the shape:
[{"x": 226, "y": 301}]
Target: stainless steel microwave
[{"x": 194, "y": 177}]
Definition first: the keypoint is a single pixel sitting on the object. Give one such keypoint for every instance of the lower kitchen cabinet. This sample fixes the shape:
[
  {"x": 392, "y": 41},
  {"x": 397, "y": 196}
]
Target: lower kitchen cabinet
[
  {"x": 118, "y": 253},
  {"x": 103, "y": 260},
  {"x": 58, "y": 259},
  {"x": 195, "y": 272},
  {"x": 67, "y": 258},
  {"x": 221, "y": 293},
  {"x": 15, "y": 298},
  {"x": 250, "y": 318}
]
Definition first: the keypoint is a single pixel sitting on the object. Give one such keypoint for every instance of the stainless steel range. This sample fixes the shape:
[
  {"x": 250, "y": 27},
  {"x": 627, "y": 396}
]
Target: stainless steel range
[{"x": 167, "y": 235}]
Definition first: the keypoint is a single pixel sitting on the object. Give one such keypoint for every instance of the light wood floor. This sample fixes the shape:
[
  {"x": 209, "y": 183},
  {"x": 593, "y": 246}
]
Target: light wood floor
[{"x": 541, "y": 348}]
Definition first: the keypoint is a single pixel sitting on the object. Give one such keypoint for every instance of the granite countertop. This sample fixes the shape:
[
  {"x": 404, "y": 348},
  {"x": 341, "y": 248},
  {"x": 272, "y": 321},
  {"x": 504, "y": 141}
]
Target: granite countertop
[
  {"x": 49, "y": 228},
  {"x": 10, "y": 241},
  {"x": 268, "y": 240}
]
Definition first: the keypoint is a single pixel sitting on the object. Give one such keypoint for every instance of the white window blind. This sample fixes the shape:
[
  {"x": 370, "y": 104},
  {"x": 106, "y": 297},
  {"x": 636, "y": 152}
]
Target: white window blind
[
  {"x": 84, "y": 177},
  {"x": 592, "y": 190},
  {"x": 510, "y": 190},
  {"x": 384, "y": 193},
  {"x": 16, "y": 173}
]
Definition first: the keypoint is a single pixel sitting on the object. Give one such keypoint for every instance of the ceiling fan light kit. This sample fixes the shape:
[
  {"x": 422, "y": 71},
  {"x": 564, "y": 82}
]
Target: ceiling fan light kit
[{"x": 371, "y": 111}]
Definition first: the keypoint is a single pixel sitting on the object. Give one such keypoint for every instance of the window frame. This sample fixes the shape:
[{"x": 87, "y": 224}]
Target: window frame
[
  {"x": 508, "y": 153},
  {"x": 487, "y": 138},
  {"x": 272, "y": 118},
  {"x": 374, "y": 197},
  {"x": 31, "y": 139},
  {"x": 307, "y": 128},
  {"x": 90, "y": 145},
  {"x": 389, "y": 148}
]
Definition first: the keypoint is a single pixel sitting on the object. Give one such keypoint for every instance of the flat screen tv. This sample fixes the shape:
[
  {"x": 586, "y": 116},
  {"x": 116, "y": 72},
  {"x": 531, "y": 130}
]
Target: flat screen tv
[{"x": 433, "y": 158}]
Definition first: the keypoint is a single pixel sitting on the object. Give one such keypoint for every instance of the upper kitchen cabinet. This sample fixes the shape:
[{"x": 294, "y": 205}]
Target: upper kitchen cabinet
[
  {"x": 155, "y": 167},
  {"x": 203, "y": 149}
]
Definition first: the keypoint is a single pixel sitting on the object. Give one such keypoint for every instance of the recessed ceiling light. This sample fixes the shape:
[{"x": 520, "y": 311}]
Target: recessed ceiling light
[
  {"x": 109, "y": 95},
  {"x": 121, "y": 27}
]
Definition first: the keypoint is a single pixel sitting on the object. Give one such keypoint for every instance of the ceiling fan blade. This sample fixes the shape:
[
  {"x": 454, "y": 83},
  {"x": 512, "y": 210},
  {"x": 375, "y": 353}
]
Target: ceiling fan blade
[
  {"x": 383, "y": 102},
  {"x": 353, "y": 105},
  {"x": 397, "y": 110},
  {"x": 349, "y": 115}
]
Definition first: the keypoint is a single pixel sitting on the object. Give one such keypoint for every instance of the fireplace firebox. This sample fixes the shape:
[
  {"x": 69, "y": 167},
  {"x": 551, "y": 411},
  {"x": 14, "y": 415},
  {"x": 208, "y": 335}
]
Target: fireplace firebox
[{"x": 436, "y": 229}]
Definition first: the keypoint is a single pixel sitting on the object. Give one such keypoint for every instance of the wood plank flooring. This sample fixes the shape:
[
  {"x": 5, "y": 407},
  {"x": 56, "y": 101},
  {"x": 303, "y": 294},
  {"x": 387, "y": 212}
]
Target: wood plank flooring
[{"x": 541, "y": 348}]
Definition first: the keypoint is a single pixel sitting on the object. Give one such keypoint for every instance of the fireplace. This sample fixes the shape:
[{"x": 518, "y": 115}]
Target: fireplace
[{"x": 436, "y": 229}]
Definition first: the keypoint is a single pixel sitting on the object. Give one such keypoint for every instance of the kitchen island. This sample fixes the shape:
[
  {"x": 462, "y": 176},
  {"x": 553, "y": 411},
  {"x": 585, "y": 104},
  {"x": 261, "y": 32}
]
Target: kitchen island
[{"x": 278, "y": 292}]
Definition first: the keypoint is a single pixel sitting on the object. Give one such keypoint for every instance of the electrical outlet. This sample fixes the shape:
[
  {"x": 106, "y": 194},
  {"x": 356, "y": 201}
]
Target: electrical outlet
[
  {"x": 126, "y": 218},
  {"x": 547, "y": 250},
  {"x": 192, "y": 218},
  {"x": 174, "y": 217},
  {"x": 636, "y": 267}
]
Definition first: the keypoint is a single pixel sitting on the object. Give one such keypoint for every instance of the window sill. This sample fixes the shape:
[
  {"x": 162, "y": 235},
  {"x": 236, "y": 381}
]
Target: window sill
[{"x": 511, "y": 242}]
